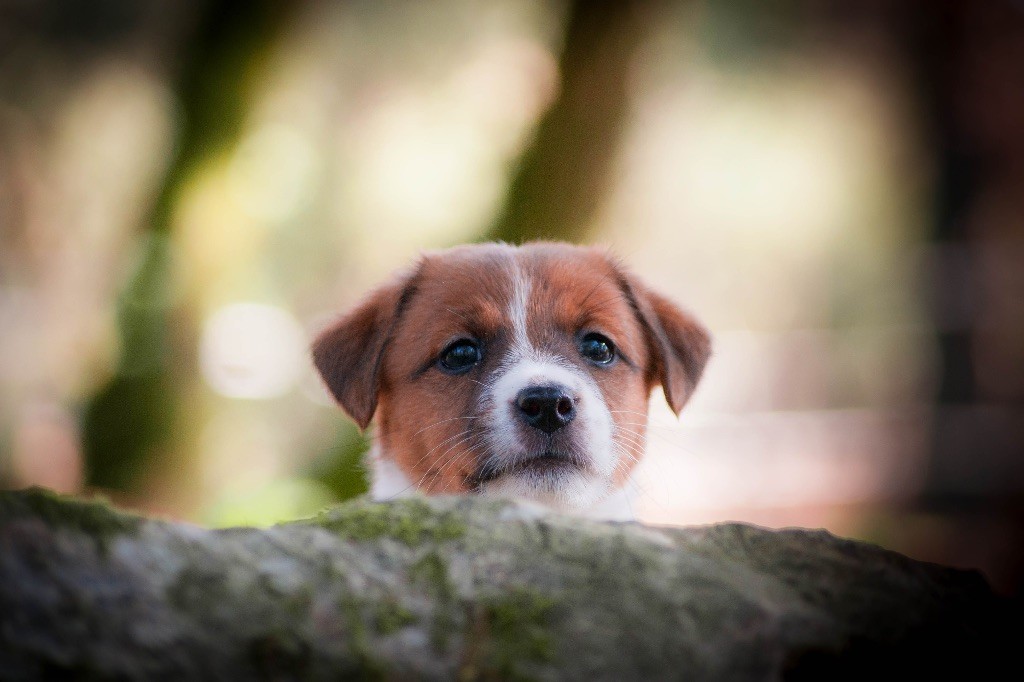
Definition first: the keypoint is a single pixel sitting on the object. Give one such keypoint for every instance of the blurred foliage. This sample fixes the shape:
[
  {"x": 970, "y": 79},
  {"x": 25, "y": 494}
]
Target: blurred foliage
[
  {"x": 129, "y": 418},
  {"x": 280, "y": 500},
  {"x": 128, "y": 422},
  {"x": 342, "y": 468}
]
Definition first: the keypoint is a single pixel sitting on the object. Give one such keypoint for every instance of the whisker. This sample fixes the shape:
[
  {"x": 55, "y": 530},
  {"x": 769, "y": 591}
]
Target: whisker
[
  {"x": 467, "y": 432},
  {"x": 438, "y": 471},
  {"x": 429, "y": 452},
  {"x": 443, "y": 421},
  {"x": 472, "y": 451},
  {"x": 634, "y": 442},
  {"x": 663, "y": 436}
]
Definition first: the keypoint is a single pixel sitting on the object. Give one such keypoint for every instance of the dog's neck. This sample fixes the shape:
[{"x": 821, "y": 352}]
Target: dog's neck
[{"x": 388, "y": 482}]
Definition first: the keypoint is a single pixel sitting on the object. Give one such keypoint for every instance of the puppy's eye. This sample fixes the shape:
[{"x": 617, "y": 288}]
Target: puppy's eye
[
  {"x": 597, "y": 348},
  {"x": 460, "y": 356}
]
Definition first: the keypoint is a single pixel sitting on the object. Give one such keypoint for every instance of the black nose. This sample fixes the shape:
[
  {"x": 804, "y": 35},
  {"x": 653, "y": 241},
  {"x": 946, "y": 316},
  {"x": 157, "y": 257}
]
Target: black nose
[{"x": 547, "y": 408}]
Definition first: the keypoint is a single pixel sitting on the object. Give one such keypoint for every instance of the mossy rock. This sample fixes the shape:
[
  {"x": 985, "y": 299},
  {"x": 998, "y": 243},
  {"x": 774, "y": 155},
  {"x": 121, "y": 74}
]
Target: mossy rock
[{"x": 472, "y": 588}]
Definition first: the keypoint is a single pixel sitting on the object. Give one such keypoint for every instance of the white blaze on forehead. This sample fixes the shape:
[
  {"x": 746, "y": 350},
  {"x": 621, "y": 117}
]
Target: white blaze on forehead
[
  {"x": 521, "y": 286},
  {"x": 526, "y": 365}
]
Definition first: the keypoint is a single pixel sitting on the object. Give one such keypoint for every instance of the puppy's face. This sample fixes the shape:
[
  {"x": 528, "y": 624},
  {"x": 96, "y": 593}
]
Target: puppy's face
[{"x": 513, "y": 370}]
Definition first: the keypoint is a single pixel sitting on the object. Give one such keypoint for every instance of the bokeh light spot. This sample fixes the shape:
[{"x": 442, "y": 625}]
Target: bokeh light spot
[{"x": 252, "y": 350}]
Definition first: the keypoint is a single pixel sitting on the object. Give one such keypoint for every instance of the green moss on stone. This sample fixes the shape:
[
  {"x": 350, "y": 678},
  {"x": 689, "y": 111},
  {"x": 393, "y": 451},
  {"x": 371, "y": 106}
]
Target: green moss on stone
[
  {"x": 95, "y": 518},
  {"x": 518, "y": 622},
  {"x": 392, "y": 617},
  {"x": 297, "y": 604},
  {"x": 369, "y": 668},
  {"x": 430, "y": 573},
  {"x": 409, "y": 521},
  {"x": 510, "y": 635}
]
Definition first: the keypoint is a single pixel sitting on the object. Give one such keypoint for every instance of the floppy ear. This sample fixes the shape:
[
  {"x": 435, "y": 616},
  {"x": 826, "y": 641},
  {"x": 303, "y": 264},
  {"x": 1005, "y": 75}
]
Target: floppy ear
[
  {"x": 349, "y": 354},
  {"x": 679, "y": 345}
]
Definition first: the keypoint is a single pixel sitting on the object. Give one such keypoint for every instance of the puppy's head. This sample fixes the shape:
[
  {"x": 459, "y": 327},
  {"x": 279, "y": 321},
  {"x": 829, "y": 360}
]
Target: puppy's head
[{"x": 512, "y": 370}]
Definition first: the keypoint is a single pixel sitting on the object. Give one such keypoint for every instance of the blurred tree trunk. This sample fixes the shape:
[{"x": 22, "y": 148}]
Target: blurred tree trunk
[
  {"x": 129, "y": 423},
  {"x": 562, "y": 177},
  {"x": 969, "y": 59}
]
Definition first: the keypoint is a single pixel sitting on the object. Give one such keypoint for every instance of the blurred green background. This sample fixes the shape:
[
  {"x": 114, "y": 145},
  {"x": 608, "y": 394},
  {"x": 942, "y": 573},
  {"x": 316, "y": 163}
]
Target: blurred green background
[{"x": 189, "y": 191}]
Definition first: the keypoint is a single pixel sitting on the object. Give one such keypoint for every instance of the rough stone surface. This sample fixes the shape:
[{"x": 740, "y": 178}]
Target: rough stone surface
[{"x": 468, "y": 588}]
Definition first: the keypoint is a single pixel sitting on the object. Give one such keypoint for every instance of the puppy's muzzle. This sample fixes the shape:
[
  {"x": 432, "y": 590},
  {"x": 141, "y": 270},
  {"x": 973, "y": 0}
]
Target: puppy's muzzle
[{"x": 546, "y": 408}]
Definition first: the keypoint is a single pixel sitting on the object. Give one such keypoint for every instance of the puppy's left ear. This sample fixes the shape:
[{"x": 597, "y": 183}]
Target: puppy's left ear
[
  {"x": 679, "y": 345},
  {"x": 350, "y": 353}
]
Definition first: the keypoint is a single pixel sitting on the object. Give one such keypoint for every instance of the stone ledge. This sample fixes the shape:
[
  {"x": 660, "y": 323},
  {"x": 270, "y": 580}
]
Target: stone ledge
[{"x": 470, "y": 588}]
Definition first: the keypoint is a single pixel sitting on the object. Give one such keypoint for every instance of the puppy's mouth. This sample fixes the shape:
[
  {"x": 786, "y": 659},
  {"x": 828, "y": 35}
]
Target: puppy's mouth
[{"x": 547, "y": 463}]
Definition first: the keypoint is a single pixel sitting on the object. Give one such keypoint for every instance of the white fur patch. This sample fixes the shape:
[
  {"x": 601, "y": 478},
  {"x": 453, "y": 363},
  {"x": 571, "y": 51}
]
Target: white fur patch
[
  {"x": 617, "y": 506},
  {"x": 387, "y": 480},
  {"x": 390, "y": 483},
  {"x": 586, "y": 492},
  {"x": 521, "y": 286},
  {"x": 526, "y": 366},
  {"x": 592, "y": 415}
]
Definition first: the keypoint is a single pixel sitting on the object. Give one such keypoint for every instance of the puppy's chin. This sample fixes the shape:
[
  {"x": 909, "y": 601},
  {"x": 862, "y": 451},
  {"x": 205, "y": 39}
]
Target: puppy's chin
[{"x": 561, "y": 487}]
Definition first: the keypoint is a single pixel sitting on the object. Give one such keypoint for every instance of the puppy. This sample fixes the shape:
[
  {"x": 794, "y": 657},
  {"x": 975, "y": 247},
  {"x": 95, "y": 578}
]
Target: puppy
[{"x": 519, "y": 371}]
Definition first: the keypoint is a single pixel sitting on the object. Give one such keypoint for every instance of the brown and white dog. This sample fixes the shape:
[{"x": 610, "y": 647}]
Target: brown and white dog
[{"x": 520, "y": 371}]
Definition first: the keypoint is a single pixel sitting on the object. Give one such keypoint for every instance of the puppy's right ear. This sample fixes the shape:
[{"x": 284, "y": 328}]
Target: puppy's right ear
[{"x": 349, "y": 354}]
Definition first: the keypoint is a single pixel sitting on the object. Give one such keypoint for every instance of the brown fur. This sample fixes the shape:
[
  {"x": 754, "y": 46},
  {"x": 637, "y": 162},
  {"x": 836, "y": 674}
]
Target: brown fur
[{"x": 382, "y": 356}]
